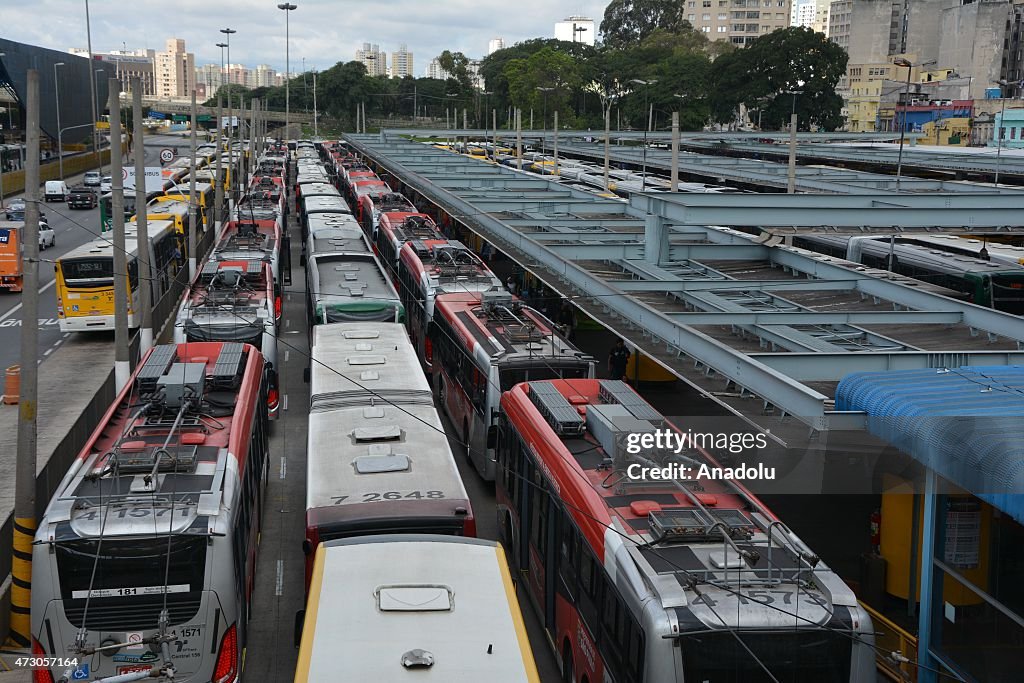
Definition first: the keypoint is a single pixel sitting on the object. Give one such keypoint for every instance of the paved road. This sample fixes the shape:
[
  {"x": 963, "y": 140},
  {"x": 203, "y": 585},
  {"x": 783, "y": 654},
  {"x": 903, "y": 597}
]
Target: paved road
[{"x": 72, "y": 228}]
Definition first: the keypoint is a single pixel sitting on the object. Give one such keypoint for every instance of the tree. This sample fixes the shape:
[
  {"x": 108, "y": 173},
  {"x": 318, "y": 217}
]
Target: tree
[
  {"x": 763, "y": 75},
  {"x": 628, "y": 22},
  {"x": 456, "y": 65},
  {"x": 547, "y": 68}
]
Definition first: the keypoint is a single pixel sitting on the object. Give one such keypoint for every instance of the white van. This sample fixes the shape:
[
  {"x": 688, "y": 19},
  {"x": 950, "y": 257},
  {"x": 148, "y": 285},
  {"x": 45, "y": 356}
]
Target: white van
[{"x": 55, "y": 191}]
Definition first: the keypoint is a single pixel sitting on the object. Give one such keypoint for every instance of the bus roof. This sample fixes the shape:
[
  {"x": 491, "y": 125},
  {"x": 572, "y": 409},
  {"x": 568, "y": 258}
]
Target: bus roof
[
  {"x": 111, "y": 471},
  {"x": 325, "y": 203},
  {"x": 374, "y": 599},
  {"x": 338, "y": 277},
  {"x": 504, "y": 328},
  {"x": 101, "y": 247},
  {"x": 167, "y": 205},
  {"x": 450, "y": 266}
]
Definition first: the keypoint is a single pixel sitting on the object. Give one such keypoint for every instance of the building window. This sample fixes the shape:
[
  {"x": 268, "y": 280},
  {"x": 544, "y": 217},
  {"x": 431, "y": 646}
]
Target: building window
[
  {"x": 722, "y": 29},
  {"x": 722, "y": 16},
  {"x": 705, "y": 29},
  {"x": 691, "y": 17},
  {"x": 752, "y": 28},
  {"x": 692, "y": 3},
  {"x": 706, "y": 17},
  {"x": 707, "y": 3},
  {"x": 1013, "y": 133}
]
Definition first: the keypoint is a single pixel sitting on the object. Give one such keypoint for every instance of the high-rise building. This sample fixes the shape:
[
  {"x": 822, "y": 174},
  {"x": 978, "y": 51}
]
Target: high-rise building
[
  {"x": 401, "y": 62},
  {"x": 376, "y": 62},
  {"x": 806, "y": 13},
  {"x": 495, "y": 44},
  {"x": 576, "y": 30},
  {"x": 175, "y": 70},
  {"x": 434, "y": 70},
  {"x": 264, "y": 76},
  {"x": 724, "y": 20},
  {"x": 821, "y": 18}
]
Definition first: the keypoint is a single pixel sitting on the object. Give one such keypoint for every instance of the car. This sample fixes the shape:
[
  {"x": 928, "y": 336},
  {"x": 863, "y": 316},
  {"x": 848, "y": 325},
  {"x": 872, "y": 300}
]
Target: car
[
  {"x": 47, "y": 238},
  {"x": 16, "y": 210},
  {"x": 92, "y": 179},
  {"x": 82, "y": 197},
  {"x": 106, "y": 184}
]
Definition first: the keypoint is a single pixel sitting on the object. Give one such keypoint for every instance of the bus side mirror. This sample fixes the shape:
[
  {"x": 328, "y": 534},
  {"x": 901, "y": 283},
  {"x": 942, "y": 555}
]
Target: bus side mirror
[
  {"x": 300, "y": 617},
  {"x": 492, "y": 436},
  {"x": 307, "y": 547}
]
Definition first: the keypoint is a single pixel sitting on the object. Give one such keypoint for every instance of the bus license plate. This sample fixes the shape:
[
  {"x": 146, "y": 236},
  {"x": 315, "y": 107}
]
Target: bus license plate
[{"x": 133, "y": 668}]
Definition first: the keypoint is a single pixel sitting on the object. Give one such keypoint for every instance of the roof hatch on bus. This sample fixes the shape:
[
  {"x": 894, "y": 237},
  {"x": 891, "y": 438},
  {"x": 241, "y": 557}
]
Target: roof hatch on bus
[
  {"x": 379, "y": 464},
  {"x": 415, "y": 598},
  {"x": 369, "y": 434}
]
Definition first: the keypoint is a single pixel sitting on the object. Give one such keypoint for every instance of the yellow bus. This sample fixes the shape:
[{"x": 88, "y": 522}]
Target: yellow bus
[
  {"x": 85, "y": 277},
  {"x": 204, "y": 194},
  {"x": 172, "y": 209}
]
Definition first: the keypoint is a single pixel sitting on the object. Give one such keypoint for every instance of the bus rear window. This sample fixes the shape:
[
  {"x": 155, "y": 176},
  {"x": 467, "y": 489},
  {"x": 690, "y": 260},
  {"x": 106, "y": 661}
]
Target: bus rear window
[
  {"x": 820, "y": 656},
  {"x": 91, "y": 270},
  {"x": 128, "y": 568},
  {"x": 516, "y": 375}
]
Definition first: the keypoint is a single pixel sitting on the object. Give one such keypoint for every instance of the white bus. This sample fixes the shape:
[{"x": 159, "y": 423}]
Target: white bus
[{"x": 413, "y": 607}]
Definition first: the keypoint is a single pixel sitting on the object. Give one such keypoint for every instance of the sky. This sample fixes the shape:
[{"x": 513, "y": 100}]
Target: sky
[{"x": 323, "y": 32}]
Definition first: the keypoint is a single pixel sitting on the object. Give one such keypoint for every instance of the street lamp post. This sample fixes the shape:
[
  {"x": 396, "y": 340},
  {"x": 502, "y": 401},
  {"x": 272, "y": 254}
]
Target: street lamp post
[
  {"x": 791, "y": 173},
  {"x": 60, "y": 145},
  {"x": 902, "y": 61},
  {"x": 288, "y": 7},
  {"x": 227, "y": 44},
  {"x": 999, "y": 128},
  {"x": 92, "y": 90},
  {"x": 647, "y": 98}
]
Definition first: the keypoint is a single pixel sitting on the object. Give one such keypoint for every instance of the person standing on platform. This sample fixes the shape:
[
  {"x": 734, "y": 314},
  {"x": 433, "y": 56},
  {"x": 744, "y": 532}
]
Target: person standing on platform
[{"x": 618, "y": 358}]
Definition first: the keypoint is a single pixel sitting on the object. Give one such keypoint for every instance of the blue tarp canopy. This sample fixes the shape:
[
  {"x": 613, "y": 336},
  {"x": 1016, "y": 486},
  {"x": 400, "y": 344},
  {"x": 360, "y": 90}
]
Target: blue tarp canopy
[{"x": 966, "y": 424}]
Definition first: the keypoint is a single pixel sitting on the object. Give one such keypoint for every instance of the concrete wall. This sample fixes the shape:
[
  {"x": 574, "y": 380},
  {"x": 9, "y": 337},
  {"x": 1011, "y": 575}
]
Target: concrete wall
[
  {"x": 972, "y": 41},
  {"x": 870, "y": 21}
]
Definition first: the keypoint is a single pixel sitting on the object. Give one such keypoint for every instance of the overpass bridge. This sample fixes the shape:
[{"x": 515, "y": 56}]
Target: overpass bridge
[{"x": 185, "y": 108}]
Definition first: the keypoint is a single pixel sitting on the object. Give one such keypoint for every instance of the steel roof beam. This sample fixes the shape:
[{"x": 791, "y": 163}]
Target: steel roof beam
[
  {"x": 820, "y": 318},
  {"x": 770, "y": 384},
  {"x": 678, "y": 252},
  {"x": 825, "y": 367},
  {"x": 678, "y": 286}
]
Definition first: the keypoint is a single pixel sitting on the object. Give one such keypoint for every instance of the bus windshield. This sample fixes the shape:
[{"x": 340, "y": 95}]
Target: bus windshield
[
  {"x": 820, "y": 656},
  {"x": 511, "y": 376},
  {"x": 95, "y": 272}
]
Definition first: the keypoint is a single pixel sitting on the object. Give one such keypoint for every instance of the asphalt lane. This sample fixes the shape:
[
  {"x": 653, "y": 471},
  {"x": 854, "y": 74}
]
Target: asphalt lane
[{"x": 72, "y": 228}]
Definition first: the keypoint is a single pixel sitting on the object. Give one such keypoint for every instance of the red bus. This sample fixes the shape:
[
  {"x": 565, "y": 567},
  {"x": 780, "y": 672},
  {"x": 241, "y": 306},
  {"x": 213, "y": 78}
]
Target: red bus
[
  {"x": 154, "y": 529},
  {"x": 374, "y": 206},
  {"x": 484, "y": 344},
  {"x": 378, "y": 460},
  {"x": 373, "y": 188},
  {"x": 640, "y": 575},
  {"x": 428, "y": 268},
  {"x": 262, "y": 238},
  {"x": 395, "y": 229}
]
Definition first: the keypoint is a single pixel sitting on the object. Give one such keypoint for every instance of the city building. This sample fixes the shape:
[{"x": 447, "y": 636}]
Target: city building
[
  {"x": 576, "y": 29},
  {"x": 434, "y": 70},
  {"x": 1010, "y": 124},
  {"x": 725, "y": 20},
  {"x": 821, "y": 18},
  {"x": 175, "y": 71},
  {"x": 129, "y": 64},
  {"x": 263, "y": 76},
  {"x": 376, "y": 62},
  {"x": 495, "y": 44},
  {"x": 401, "y": 62}
]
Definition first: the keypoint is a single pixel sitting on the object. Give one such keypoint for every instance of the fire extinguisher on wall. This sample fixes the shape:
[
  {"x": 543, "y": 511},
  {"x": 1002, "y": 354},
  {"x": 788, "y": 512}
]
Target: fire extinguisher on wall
[{"x": 876, "y": 531}]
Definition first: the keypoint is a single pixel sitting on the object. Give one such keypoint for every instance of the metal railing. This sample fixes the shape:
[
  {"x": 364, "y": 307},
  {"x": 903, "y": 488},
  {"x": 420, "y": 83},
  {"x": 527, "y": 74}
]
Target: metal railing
[{"x": 891, "y": 638}]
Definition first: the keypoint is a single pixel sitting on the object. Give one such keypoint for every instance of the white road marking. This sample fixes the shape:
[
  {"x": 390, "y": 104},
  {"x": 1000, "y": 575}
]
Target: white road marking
[
  {"x": 284, "y": 402},
  {"x": 47, "y": 352},
  {"x": 284, "y": 469},
  {"x": 287, "y": 323},
  {"x": 17, "y": 308},
  {"x": 286, "y": 356},
  {"x": 279, "y": 586}
]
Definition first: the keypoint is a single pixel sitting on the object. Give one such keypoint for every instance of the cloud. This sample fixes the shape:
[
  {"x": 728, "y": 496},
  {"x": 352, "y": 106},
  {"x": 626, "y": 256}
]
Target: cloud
[{"x": 323, "y": 32}]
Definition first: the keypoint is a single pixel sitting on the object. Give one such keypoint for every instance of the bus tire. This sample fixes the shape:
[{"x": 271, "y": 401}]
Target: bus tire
[{"x": 567, "y": 667}]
